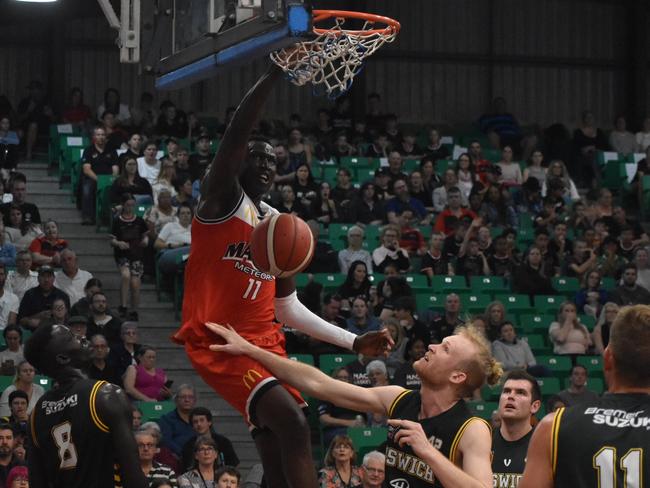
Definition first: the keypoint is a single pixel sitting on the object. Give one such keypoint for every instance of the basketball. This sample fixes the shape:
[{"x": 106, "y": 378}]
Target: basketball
[{"x": 282, "y": 245}]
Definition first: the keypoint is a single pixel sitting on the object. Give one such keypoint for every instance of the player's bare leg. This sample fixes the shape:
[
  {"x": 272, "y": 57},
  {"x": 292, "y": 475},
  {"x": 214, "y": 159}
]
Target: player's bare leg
[{"x": 286, "y": 448}]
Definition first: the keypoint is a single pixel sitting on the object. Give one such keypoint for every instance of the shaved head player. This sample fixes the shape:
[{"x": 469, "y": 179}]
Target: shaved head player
[
  {"x": 603, "y": 443},
  {"x": 434, "y": 440},
  {"x": 223, "y": 285}
]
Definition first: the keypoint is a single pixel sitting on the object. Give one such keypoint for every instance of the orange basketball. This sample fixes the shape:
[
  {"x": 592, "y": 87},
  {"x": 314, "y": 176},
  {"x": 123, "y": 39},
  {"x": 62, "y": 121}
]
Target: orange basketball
[{"x": 282, "y": 245}]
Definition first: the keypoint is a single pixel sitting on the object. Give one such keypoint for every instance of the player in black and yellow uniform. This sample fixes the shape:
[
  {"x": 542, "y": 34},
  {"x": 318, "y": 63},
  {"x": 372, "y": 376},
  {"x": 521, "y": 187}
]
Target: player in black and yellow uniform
[
  {"x": 442, "y": 444},
  {"x": 604, "y": 443},
  {"x": 81, "y": 429},
  {"x": 520, "y": 399}
]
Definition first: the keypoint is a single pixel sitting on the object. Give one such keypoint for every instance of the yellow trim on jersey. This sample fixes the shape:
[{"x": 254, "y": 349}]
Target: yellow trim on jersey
[
  {"x": 32, "y": 426},
  {"x": 459, "y": 435},
  {"x": 555, "y": 432},
  {"x": 396, "y": 401},
  {"x": 93, "y": 410}
]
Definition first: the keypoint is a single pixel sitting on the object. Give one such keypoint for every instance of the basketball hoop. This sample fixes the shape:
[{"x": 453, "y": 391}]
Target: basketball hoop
[{"x": 336, "y": 55}]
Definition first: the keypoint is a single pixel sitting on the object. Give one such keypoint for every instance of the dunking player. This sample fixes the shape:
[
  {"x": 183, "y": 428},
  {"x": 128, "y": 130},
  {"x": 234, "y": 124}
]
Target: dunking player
[
  {"x": 435, "y": 439},
  {"x": 222, "y": 285},
  {"x": 81, "y": 429},
  {"x": 605, "y": 442},
  {"x": 520, "y": 399}
]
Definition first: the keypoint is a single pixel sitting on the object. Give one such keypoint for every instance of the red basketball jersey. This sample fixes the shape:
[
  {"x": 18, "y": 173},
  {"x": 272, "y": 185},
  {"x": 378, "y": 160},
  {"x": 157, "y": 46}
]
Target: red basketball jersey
[{"x": 222, "y": 284}]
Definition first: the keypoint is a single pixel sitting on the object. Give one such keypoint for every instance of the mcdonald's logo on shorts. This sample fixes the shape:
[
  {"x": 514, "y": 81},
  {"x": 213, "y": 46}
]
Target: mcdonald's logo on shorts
[{"x": 250, "y": 378}]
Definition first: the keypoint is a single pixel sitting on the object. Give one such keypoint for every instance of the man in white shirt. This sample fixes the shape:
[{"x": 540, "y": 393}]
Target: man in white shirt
[
  {"x": 70, "y": 278},
  {"x": 22, "y": 278},
  {"x": 149, "y": 165},
  {"x": 9, "y": 302}
]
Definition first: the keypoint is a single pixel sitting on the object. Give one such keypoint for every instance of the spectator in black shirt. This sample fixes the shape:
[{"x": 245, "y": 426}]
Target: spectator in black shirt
[
  {"x": 550, "y": 260},
  {"x": 530, "y": 277},
  {"x": 171, "y": 122},
  {"x": 474, "y": 262},
  {"x": 404, "y": 311},
  {"x": 115, "y": 136},
  {"x": 375, "y": 118},
  {"x": 452, "y": 244},
  {"x": 336, "y": 420},
  {"x": 395, "y": 172},
  {"x": 629, "y": 293},
  {"x": 367, "y": 208},
  {"x": 392, "y": 131},
  {"x": 408, "y": 148},
  {"x": 581, "y": 261},
  {"x": 626, "y": 245},
  {"x": 379, "y": 147},
  {"x": 435, "y": 262},
  {"x": 124, "y": 353},
  {"x": 405, "y": 376},
  {"x": 341, "y": 116},
  {"x": 130, "y": 182},
  {"x": 290, "y": 205},
  {"x": 183, "y": 169},
  {"x": 7, "y": 458},
  {"x": 325, "y": 258},
  {"x": 96, "y": 160},
  {"x": 435, "y": 149},
  {"x": 18, "y": 186},
  {"x": 444, "y": 325},
  {"x": 343, "y": 193},
  {"x": 133, "y": 151},
  {"x": 500, "y": 262},
  {"x": 382, "y": 180},
  {"x": 100, "y": 369},
  {"x": 331, "y": 310},
  {"x": 560, "y": 244},
  {"x": 390, "y": 251},
  {"x": 35, "y": 115},
  {"x": 101, "y": 321},
  {"x": 37, "y": 302},
  {"x": 201, "y": 159}
]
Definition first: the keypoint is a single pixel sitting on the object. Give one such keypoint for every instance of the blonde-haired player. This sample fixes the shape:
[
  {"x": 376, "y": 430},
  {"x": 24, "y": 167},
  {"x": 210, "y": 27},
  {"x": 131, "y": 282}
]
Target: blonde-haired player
[{"x": 435, "y": 441}]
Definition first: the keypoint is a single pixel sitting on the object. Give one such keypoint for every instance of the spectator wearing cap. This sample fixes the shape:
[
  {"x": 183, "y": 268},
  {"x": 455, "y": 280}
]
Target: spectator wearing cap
[
  {"x": 368, "y": 208},
  {"x": 175, "y": 425},
  {"x": 78, "y": 325},
  {"x": 30, "y": 213},
  {"x": 96, "y": 160},
  {"x": 22, "y": 278},
  {"x": 70, "y": 278},
  {"x": 9, "y": 302},
  {"x": 13, "y": 352},
  {"x": 47, "y": 248},
  {"x": 201, "y": 159},
  {"x": 354, "y": 251},
  {"x": 149, "y": 165},
  {"x": 404, "y": 201},
  {"x": 101, "y": 321},
  {"x": 100, "y": 368},
  {"x": 202, "y": 425},
  {"x": 37, "y": 302}
]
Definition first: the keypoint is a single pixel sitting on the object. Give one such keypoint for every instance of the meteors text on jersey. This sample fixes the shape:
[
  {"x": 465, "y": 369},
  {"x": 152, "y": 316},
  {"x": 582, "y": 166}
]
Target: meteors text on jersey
[{"x": 240, "y": 253}]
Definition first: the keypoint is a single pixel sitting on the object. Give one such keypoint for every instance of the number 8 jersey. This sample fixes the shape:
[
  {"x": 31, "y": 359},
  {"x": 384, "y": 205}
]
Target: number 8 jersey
[
  {"x": 603, "y": 444},
  {"x": 222, "y": 284},
  {"x": 75, "y": 445}
]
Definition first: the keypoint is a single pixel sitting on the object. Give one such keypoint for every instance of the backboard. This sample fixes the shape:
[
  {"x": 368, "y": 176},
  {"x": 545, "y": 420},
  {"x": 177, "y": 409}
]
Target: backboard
[{"x": 209, "y": 36}]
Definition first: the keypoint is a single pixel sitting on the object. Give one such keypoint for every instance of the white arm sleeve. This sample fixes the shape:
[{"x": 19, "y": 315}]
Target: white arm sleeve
[{"x": 290, "y": 311}]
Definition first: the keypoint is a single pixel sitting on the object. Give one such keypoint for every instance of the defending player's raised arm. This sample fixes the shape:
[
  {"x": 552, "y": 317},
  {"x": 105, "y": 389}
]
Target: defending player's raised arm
[
  {"x": 539, "y": 465},
  {"x": 114, "y": 409},
  {"x": 220, "y": 187},
  {"x": 308, "y": 379}
]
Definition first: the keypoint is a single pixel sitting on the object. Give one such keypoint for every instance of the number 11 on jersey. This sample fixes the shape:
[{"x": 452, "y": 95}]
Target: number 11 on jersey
[
  {"x": 253, "y": 289},
  {"x": 605, "y": 463}
]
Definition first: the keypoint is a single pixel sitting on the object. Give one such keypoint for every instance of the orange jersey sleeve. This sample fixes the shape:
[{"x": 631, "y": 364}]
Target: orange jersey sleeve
[{"x": 222, "y": 284}]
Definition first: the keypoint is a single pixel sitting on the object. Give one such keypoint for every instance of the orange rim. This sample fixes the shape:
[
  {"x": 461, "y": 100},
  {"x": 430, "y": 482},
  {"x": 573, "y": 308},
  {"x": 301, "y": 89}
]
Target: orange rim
[{"x": 392, "y": 26}]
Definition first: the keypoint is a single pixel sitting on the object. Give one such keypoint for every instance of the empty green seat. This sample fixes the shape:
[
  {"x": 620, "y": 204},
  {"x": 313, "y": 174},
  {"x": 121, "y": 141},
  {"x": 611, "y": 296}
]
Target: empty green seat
[
  {"x": 358, "y": 162},
  {"x": 302, "y": 358},
  {"x": 491, "y": 393},
  {"x": 514, "y": 303},
  {"x": 559, "y": 365},
  {"x": 366, "y": 439},
  {"x": 549, "y": 386},
  {"x": 443, "y": 165},
  {"x": 484, "y": 409},
  {"x": 155, "y": 410},
  {"x": 588, "y": 321},
  {"x": 474, "y": 303},
  {"x": 429, "y": 301},
  {"x": 44, "y": 381},
  {"x": 449, "y": 284},
  {"x": 301, "y": 280},
  {"x": 535, "y": 324},
  {"x": 547, "y": 304},
  {"x": 593, "y": 364},
  {"x": 537, "y": 343},
  {"x": 566, "y": 285},
  {"x": 488, "y": 284},
  {"x": 329, "y": 280},
  {"x": 417, "y": 282},
  {"x": 329, "y": 362},
  {"x": 328, "y": 173},
  {"x": 410, "y": 165},
  {"x": 6, "y": 381}
]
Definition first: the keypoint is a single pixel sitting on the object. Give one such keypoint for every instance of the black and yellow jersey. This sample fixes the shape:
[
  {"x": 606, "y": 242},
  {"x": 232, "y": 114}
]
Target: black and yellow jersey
[{"x": 508, "y": 459}]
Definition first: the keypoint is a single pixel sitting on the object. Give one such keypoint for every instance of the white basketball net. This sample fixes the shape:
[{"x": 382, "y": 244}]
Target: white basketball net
[{"x": 331, "y": 60}]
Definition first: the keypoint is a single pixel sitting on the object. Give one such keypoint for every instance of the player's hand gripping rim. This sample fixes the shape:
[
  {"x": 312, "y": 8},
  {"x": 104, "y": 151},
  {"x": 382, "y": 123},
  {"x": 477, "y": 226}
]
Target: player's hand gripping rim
[{"x": 235, "y": 344}]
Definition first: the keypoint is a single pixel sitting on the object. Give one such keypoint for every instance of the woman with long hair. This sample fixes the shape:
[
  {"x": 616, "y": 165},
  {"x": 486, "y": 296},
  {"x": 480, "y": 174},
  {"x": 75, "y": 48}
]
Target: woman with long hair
[
  {"x": 495, "y": 314},
  {"x": 165, "y": 180},
  {"x": 592, "y": 296},
  {"x": 304, "y": 186},
  {"x": 23, "y": 380},
  {"x": 510, "y": 170},
  {"x": 466, "y": 175},
  {"x": 20, "y": 232},
  {"x": 340, "y": 470},
  {"x": 131, "y": 182},
  {"x": 557, "y": 169},
  {"x": 498, "y": 211},
  {"x": 567, "y": 334},
  {"x": 530, "y": 277},
  {"x": 600, "y": 335},
  {"x": 356, "y": 283},
  {"x": 430, "y": 180},
  {"x": 323, "y": 208},
  {"x": 368, "y": 207},
  {"x": 535, "y": 168}
]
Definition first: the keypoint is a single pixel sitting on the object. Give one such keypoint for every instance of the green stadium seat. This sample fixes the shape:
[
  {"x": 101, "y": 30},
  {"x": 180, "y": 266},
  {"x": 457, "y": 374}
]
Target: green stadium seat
[
  {"x": 328, "y": 173},
  {"x": 417, "y": 282},
  {"x": 141, "y": 209},
  {"x": 588, "y": 321},
  {"x": 594, "y": 364},
  {"x": 102, "y": 201},
  {"x": 614, "y": 176},
  {"x": 364, "y": 174},
  {"x": 410, "y": 165},
  {"x": 491, "y": 393},
  {"x": 6, "y": 381},
  {"x": 426, "y": 231},
  {"x": 449, "y": 284},
  {"x": 596, "y": 385},
  {"x": 301, "y": 280},
  {"x": 535, "y": 324},
  {"x": 525, "y": 236},
  {"x": 608, "y": 282},
  {"x": 488, "y": 284},
  {"x": 366, "y": 439},
  {"x": 329, "y": 362},
  {"x": 474, "y": 303},
  {"x": 302, "y": 358},
  {"x": 484, "y": 409},
  {"x": 537, "y": 343},
  {"x": 514, "y": 303},
  {"x": 355, "y": 163},
  {"x": 549, "y": 386},
  {"x": 526, "y": 220},
  {"x": 566, "y": 285},
  {"x": 329, "y": 280},
  {"x": 429, "y": 301},
  {"x": 495, "y": 232},
  {"x": 339, "y": 231},
  {"x": 443, "y": 165},
  {"x": 492, "y": 155},
  {"x": 155, "y": 410},
  {"x": 559, "y": 365},
  {"x": 547, "y": 304}
]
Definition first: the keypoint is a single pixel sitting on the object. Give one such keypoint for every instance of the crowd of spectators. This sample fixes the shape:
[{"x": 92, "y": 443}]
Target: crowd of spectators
[{"x": 389, "y": 204}]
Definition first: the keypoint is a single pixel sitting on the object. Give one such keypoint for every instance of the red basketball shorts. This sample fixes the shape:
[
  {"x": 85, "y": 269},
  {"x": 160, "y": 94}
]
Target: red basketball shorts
[{"x": 240, "y": 380}]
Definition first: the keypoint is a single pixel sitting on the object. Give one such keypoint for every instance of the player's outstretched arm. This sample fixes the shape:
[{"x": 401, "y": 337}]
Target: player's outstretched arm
[
  {"x": 220, "y": 187},
  {"x": 474, "y": 446},
  {"x": 308, "y": 379},
  {"x": 115, "y": 411},
  {"x": 539, "y": 466}
]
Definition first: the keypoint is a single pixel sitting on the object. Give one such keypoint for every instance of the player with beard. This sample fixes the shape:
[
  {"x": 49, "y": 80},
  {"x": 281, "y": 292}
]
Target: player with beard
[
  {"x": 222, "y": 285},
  {"x": 520, "y": 399},
  {"x": 434, "y": 440},
  {"x": 81, "y": 429},
  {"x": 603, "y": 442}
]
